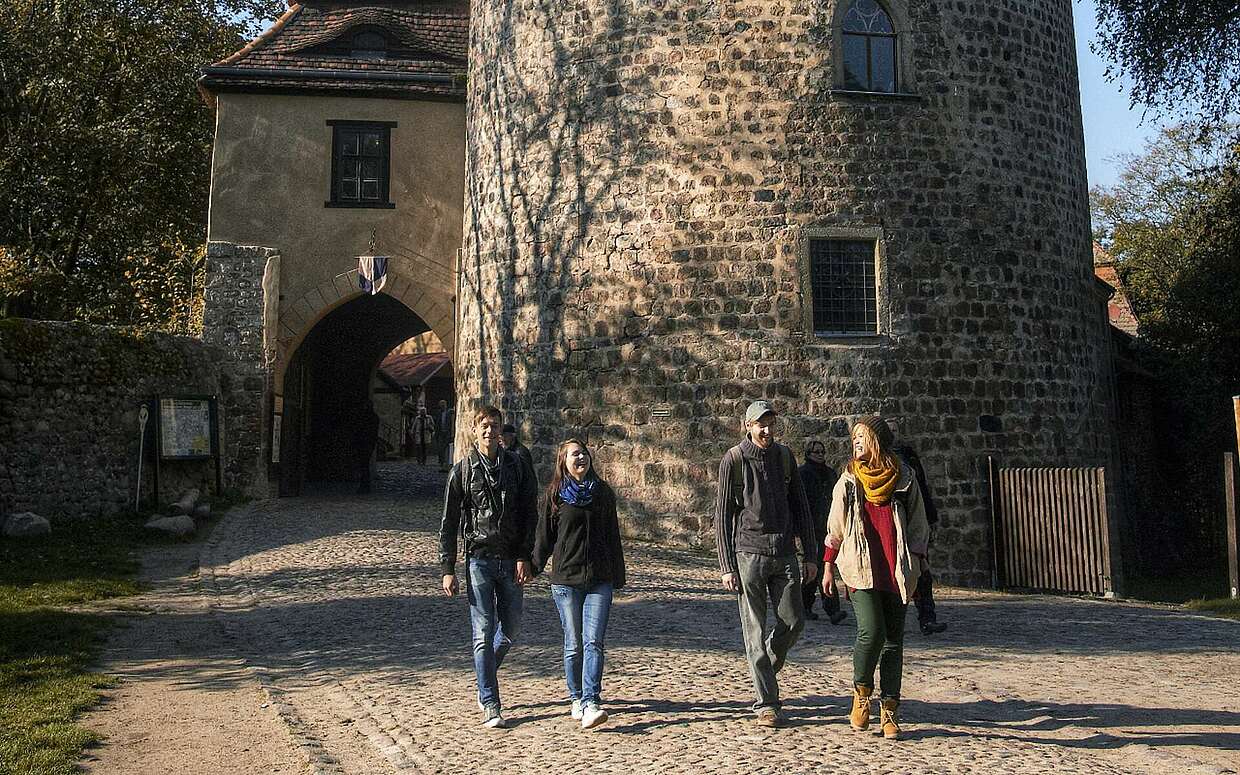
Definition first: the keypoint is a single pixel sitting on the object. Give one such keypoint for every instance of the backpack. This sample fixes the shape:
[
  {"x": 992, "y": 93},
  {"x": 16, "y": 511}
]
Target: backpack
[{"x": 737, "y": 484}]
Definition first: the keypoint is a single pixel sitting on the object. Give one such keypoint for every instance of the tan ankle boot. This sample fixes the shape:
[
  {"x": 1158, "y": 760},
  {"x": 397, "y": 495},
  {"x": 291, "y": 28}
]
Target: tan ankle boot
[
  {"x": 859, "y": 718},
  {"x": 887, "y": 717}
]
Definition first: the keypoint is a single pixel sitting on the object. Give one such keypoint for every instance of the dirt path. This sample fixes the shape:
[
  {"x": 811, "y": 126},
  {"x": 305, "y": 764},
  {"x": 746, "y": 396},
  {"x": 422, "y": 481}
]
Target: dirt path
[{"x": 184, "y": 702}]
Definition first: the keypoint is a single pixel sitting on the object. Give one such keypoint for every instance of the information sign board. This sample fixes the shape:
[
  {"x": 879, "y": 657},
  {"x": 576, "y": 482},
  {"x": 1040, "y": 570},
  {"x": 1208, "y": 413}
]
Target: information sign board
[{"x": 186, "y": 430}]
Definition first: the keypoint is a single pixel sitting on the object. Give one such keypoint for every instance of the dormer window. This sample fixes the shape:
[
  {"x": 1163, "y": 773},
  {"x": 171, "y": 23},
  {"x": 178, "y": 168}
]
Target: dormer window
[{"x": 369, "y": 45}]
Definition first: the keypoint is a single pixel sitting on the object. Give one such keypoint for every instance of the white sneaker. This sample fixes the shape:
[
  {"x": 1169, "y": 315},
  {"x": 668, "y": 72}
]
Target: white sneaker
[
  {"x": 577, "y": 709},
  {"x": 492, "y": 718},
  {"x": 592, "y": 716}
]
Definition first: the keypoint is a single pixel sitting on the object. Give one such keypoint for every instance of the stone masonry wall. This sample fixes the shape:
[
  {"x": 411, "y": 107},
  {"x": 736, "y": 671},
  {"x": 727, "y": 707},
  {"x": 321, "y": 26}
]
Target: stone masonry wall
[
  {"x": 69, "y": 398},
  {"x": 241, "y": 297},
  {"x": 641, "y": 179}
]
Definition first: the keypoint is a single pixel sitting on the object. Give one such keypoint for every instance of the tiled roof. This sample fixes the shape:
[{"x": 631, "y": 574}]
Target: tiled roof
[
  {"x": 413, "y": 369},
  {"x": 306, "y": 50},
  {"x": 1119, "y": 311}
]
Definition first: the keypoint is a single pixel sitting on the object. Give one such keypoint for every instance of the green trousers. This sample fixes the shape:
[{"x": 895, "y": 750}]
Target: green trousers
[{"x": 880, "y": 640}]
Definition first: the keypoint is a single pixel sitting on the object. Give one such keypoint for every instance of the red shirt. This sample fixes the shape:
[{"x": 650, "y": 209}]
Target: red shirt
[{"x": 880, "y": 534}]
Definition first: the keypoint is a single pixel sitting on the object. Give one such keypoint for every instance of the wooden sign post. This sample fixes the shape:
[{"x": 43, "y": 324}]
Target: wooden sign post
[
  {"x": 1229, "y": 483},
  {"x": 1229, "y": 479}
]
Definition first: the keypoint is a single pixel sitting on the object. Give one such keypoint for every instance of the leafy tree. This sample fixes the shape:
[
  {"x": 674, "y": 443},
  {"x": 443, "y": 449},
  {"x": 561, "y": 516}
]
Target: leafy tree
[
  {"x": 1179, "y": 56},
  {"x": 1173, "y": 225},
  {"x": 105, "y": 149},
  {"x": 1172, "y": 222}
]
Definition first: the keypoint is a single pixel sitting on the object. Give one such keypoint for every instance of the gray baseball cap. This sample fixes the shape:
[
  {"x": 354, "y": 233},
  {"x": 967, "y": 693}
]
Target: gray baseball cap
[{"x": 757, "y": 409}]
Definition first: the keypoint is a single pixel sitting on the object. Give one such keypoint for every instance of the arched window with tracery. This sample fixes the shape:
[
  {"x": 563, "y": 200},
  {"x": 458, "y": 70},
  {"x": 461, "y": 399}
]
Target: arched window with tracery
[{"x": 869, "y": 41}]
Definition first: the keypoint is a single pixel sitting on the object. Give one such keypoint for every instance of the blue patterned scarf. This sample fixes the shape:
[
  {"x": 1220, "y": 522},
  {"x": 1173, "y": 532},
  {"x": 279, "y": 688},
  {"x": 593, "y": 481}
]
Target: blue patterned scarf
[{"x": 576, "y": 493}]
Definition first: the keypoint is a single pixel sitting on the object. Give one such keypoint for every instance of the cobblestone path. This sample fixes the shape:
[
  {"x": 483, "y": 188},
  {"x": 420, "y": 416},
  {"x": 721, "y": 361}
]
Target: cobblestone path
[{"x": 334, "y": 600}]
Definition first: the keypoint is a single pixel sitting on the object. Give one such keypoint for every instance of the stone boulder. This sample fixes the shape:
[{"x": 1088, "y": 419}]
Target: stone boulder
[
  {"x": 185, "y": 505},
  {"x": 180, "y": 525},
  {"x": 26, "y": 523},
  {"x": 202, "y": 512}
]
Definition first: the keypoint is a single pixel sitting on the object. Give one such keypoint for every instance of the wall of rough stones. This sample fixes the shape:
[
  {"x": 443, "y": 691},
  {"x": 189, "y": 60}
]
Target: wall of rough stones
[
  {"x": 641, "y": 178},
  {"x": 239, "y": 319},
  {"x": 69, "y": 399}
]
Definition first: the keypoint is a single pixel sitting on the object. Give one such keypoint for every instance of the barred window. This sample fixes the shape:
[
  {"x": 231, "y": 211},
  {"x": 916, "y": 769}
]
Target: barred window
[
  {"x": 361, "y": 156},
  {"x": 869, "y": 54},
  {"x": 844, "y": 287}
]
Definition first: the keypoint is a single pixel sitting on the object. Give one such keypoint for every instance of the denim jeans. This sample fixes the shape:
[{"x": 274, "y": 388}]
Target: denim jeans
[
  {"x": 495, "y": 600},
  {"x": 583, "y": 615},
  {"x": 777, "y": 581}
]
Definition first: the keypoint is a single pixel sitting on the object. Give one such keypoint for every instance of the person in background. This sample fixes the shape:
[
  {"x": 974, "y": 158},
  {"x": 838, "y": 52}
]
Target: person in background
[
  {"x": 927, "y": 616},
  {"x": 365, "y": 438},
  {"x": 422, "y": 429},
  {"x": 445, "y": 430},
  {"x": 819, "y": 479},
  {"x": 514, "y": 445}
]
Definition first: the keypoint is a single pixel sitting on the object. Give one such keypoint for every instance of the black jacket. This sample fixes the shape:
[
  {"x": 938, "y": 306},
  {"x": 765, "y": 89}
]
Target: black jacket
[
  {"x": 909, "y": 455},
  {"x": 497, "y": 521},
  {"x": 819, "y": 480},
  {"x": 770, "y": 513},
  {"x": 583, "y": 540}
]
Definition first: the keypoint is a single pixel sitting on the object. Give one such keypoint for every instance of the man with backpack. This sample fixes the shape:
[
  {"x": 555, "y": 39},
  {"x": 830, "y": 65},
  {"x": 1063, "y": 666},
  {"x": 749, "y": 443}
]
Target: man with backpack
[
  {"x": 492, "y": 504},
  {"x": 760, "y": 514}
]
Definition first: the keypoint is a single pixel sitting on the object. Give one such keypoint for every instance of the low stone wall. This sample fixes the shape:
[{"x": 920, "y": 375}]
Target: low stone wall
[{"x": 69, "y": 400}]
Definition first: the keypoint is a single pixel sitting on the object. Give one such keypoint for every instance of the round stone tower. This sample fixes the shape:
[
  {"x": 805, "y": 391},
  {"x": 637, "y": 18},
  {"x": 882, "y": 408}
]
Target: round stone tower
[{"x": 676, "y": 206}]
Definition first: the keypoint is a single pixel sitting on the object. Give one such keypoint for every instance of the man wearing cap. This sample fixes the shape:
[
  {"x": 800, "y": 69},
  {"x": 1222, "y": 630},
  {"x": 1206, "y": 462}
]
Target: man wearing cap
[{"x": 760, "y": 514}]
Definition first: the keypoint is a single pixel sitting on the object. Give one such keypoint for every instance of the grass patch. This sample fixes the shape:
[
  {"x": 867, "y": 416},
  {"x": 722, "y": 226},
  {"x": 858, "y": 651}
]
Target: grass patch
[
  {"x": 1224, "y": 606},
  {"x": 46, "y": 650}
]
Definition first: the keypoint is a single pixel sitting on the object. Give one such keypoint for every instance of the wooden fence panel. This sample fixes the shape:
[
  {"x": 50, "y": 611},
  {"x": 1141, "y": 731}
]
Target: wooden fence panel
[{"x": 1051, "y": 529}]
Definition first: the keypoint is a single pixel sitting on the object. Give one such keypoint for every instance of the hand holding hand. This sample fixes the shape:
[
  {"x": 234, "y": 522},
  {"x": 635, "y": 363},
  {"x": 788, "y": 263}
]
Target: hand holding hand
[
  {"x": 450, "y": 585},
  {"x": 525, "y": 573}
]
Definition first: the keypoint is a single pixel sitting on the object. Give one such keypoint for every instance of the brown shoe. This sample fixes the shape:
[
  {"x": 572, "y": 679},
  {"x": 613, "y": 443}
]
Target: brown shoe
[
  {"x": 769, "y": 717},
  {"x": 859, "y": 718},
  {"x": 887, "y": 715}
]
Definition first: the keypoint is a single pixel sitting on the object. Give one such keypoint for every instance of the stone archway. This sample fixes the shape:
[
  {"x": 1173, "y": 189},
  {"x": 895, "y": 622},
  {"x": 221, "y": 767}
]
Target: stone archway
[{"x": 298, "y": 319}]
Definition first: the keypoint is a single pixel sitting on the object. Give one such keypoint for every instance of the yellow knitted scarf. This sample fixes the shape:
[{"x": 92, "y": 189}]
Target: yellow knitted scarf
[{"x": 879, "y": 482}]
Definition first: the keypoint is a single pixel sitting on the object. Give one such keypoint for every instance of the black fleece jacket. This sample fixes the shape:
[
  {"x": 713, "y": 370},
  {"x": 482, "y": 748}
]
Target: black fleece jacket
[{"x": 583, "y": 540}]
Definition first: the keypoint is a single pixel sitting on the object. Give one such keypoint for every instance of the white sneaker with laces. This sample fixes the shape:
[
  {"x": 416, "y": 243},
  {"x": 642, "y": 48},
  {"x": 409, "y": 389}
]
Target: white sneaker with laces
[
  {"x": 492, "y": 718},
  {"x": 592, "y": 716},
  {"x": 577, "y": 710}
]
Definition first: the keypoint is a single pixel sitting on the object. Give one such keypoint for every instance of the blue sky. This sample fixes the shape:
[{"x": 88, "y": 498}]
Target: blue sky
[{"x": 1110, "y": 126}]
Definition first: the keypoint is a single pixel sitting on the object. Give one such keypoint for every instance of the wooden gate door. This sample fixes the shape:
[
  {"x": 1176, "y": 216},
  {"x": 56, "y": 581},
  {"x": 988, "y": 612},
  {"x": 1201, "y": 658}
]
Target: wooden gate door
[{"x": 1051, "y": 529}]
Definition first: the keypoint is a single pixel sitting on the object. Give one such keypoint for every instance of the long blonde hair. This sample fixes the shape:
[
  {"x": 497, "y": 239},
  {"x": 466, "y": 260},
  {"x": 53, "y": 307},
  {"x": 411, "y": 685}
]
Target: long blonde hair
[{"x": 877, "y": 456}]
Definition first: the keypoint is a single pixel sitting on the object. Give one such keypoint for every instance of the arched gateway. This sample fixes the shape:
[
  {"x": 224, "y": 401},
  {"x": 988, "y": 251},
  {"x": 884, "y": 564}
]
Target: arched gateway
[{"x": 339, "y": 132}]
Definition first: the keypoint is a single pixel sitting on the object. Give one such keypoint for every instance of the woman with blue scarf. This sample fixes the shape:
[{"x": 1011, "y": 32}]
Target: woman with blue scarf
[{"x": 578, "y": 527}]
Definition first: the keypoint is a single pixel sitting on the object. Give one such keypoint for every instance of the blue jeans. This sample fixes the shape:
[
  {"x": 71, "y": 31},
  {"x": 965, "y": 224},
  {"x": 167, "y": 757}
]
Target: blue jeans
[
  {"x": 495, "y": 600},
  {"x": 583, "y": 615}
]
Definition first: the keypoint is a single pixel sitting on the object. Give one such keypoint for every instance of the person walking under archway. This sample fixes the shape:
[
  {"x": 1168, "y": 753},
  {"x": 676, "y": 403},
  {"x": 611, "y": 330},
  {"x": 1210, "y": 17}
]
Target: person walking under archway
[
  {"x": 760, "y": 514},
  {"x": 492, "y": 504},
  {"x": 876, "y": 542},
  {"x": 579, "y": 531}
]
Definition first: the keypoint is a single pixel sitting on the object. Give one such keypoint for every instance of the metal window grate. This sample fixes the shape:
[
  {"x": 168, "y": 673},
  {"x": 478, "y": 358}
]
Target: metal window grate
[{"x": 843, "y": 285}]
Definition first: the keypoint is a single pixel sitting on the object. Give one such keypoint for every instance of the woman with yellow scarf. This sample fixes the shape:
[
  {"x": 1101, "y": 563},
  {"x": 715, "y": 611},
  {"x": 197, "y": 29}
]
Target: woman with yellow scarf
[{"x": 876, "y": 542}]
